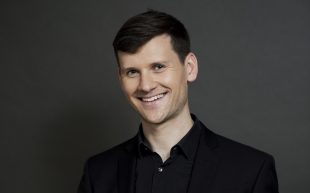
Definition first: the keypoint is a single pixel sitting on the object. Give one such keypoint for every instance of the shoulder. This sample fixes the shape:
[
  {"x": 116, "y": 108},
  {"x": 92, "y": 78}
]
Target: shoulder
[
  {"x": 110, "y": 156},
  {"x": 100, "y": 171},
  {"x": 238, "y": 164},
  {"x": 232, "y": 150},
  {"x": 237, "y": 159}
]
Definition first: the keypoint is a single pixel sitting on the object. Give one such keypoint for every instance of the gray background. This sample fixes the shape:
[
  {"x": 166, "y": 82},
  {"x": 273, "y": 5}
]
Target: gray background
[{"x": 61, "y": 102}]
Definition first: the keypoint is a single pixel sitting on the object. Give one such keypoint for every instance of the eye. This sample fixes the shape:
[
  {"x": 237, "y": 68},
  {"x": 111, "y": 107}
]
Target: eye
[
  {"x": 158, "y": 67},
  {"x": 131, "y": 73}
]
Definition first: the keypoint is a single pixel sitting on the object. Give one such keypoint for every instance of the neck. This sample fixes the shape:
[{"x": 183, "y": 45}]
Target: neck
[{"x": 162, "y": 137}]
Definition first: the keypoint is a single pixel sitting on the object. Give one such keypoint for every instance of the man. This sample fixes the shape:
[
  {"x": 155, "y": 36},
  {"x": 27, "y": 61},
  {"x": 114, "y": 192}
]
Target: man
[{"x": 173, "y": 151}]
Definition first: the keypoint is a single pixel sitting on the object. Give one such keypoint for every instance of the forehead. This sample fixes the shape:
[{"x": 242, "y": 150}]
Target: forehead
[{"x": 157, "y": 49}]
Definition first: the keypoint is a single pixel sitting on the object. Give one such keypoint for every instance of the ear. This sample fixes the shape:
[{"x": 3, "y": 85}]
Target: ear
[{"x": 191, "y": 66}]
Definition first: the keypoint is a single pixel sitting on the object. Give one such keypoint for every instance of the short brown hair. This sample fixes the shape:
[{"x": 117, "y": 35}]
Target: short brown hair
[{"x": 139, "y": 29}]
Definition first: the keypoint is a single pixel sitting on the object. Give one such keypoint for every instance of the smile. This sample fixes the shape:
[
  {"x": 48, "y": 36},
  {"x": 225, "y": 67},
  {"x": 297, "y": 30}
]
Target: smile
[{"x": 153, "y": 98}]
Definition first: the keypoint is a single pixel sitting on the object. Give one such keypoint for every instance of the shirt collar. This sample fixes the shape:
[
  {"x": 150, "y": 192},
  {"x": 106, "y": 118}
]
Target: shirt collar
[
  {"x": 188, "y": 144},
  {"x": 143, "y": 147}
]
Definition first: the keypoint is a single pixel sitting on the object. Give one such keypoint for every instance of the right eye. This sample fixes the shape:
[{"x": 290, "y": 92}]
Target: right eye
[{"x": 132, "y": 73}]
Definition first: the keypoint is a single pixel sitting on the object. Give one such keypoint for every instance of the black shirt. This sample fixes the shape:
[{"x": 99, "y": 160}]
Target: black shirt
[{"x": 172, "y": 176}]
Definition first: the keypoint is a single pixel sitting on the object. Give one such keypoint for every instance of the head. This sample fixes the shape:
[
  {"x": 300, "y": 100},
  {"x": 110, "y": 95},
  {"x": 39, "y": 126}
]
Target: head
[
  {"x": 141, "y": 28},
  {"x": 155, "y": 66}
]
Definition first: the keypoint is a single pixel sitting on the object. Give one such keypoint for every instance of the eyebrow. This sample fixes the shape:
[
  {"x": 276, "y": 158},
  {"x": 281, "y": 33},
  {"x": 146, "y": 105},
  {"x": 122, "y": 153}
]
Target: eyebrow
[
  {"x": 150, "y": 64},
  {"x": 122, "y": 69},
  {"x": 160, "y": 62}
]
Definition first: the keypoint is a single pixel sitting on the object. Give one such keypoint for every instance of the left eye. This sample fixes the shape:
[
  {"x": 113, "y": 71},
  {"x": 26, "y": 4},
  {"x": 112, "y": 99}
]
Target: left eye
[{"x": 158, "y": 66}]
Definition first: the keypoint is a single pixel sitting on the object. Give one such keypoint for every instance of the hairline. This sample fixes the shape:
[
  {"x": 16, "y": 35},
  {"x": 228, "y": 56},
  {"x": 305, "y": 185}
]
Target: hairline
[{"x": 137, "y": 50}]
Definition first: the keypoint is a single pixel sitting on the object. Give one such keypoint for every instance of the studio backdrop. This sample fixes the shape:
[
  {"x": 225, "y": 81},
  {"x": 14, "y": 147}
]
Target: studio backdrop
[{"x": 61, "y": 101}]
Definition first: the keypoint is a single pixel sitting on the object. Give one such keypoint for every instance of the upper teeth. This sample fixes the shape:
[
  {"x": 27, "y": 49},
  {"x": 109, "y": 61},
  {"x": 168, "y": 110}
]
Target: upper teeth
[{"x": 153, "y": 98}]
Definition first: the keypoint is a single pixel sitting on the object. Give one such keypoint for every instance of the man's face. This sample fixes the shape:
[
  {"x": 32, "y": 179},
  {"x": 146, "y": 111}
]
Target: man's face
[{"x": 155, "y": 81}]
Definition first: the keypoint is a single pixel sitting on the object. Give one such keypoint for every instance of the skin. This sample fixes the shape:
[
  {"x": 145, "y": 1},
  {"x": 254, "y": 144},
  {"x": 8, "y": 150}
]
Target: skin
[{"x": 155, "y": 82}]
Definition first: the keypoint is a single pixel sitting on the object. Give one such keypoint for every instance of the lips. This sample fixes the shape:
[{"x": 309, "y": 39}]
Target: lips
[{"x": 153, "y": 98}]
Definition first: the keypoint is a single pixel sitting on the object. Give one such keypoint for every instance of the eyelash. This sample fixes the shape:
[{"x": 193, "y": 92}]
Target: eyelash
[
  {"x": 133, "y": 72},
  {"x": 158, "y": 66}
]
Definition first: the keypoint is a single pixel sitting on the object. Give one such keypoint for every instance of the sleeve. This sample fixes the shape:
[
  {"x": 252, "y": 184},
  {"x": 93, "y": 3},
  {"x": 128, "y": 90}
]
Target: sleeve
[{"x": 267, "y": 181}]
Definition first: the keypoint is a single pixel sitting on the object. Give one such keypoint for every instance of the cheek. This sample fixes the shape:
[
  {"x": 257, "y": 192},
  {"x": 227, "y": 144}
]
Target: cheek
[
  {"x": 175, "y": 79},
  {"x": 128, "y": 86}
]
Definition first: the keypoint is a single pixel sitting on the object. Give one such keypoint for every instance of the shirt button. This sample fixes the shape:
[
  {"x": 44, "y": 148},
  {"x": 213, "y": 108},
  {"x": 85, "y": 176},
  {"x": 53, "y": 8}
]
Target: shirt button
[{"x": 160, "y": 169}]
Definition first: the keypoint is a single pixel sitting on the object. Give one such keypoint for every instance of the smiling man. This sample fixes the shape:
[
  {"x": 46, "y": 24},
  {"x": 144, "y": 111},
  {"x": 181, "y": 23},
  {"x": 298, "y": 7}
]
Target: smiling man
[{"x": 173, "y": 151}]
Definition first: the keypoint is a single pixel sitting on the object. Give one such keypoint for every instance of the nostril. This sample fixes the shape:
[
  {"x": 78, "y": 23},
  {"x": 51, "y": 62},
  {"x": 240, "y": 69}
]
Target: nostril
[{"x": 146, "y": 86}]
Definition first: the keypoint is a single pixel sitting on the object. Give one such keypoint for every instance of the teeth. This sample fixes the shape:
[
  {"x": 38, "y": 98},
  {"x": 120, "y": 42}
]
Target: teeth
[{"x": 151, "y": 99}]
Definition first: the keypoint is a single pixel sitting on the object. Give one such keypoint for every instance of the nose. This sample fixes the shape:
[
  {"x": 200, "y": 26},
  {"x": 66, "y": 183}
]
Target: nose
[{"x": 147, "y": 82}]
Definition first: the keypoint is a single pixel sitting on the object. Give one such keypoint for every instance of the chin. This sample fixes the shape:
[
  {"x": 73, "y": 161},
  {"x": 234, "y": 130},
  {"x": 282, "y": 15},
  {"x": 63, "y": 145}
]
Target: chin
[{"x": 153, "y": 119}]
